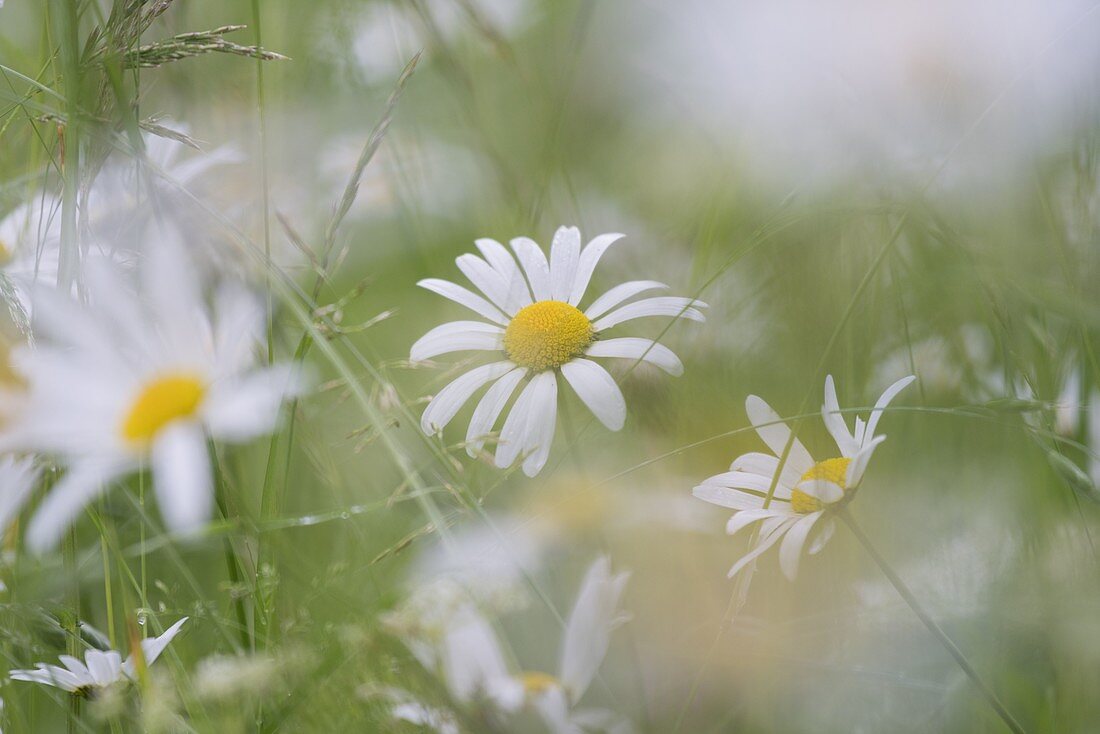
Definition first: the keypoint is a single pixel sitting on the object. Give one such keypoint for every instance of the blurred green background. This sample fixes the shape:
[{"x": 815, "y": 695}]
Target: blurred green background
[{"x": 974, "y": 268}]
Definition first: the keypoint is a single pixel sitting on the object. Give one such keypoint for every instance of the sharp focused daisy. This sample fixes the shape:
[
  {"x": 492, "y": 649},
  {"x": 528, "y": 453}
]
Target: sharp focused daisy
[
  {"x": 534, "y": 323},
  {"x": 131, "y": 376},
  {"x": 100, "y": 669},
  {"x": 805, "y": 491}
]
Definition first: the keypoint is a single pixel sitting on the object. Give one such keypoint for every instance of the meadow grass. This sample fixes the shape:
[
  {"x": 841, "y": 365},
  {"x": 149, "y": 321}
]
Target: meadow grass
[{"x": 959, "y": 592}]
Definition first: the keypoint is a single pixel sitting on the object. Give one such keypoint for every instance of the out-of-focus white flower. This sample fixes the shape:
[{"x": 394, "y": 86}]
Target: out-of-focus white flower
[
  {"x": 486, "y": 559},
  {"x": 961, "y": 361},
  {"x": 99, "y": 670},
  {"x": 803, "y": 488},
  {"x": 385, "y": 35},
  {"x": 427, "y": 175},
  {"x": 229, "y": 677},
  {"x": 127, "y": 191},
  {"x": 825, "y": 88},
  {"x": 469, "y": 659},
  {"x": 536, "y": 326},
  {"x": 140, "y": 374},
  {"x": 29, "y": 239},
  {"x": 17, "y": 479},
  {"x": 404, "y": 707},
  {"x": 596, "y": 613}
]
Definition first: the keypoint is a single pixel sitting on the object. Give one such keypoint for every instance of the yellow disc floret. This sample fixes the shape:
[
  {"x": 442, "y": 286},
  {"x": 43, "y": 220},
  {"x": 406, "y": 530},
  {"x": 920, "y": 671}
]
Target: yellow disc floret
[
  {"x": 535, "y": 682},
  {"x": 161, "y": 401},
  {"x": 547, "y": 334},
  {"x": 831, "y": 470}
]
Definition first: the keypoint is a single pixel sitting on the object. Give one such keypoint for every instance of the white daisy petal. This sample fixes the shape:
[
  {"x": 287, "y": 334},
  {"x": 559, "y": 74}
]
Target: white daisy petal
[
  {"x": 776, "y": 434},
  {"x": 238, "y": 328},
  {"x": 242, "y": 408},
  {"x": 883, "y": 401},
  {"x": 517, "y": 294},
  {"x": 457, "y": 336},
  {"x": 486, "y": 279},
  {"x": 565, "y": 252},
  {"x": 834, "y": 421},
  {"x": 766, "y": 465},
  {"x": 446, "y": 404},
  {"x": 105, "y": 666},
  {"x": 489, "y": 408},
  {"x": 152, "y": 647},
  {"x": 790, "y": 552},
  {"x": 589, "y": 258},
  {"x": 618, "y": 294},
  {"x": 822, "y": 489},
  {"x": 823, "y": 536},
  {"x": 513, "y": 435},
  {"x": 597, "y": 389},
  {"x": 744, "y": 518},
  {"x": 464, "y": 297},
  {"x": 76, "y": 666},
  {"x": 634, "y": 348},
  {"x": 726, "y": 497},
  {"x": 594, "y": 616},
  {"x": 17, "y": 480},
  {"x": 858, "y": 465},
  {"x": 741, "y": 480},
  {"x": 673, "y": 306},
  {"x": 181, "y": 476},
  {"x": 534, "y": 266},
  {"x": 172, "y": 288},
  {"x": 771, "y": 530},
  {"x": 66, "y": 499},
  {"x": 541, "y": 423}
]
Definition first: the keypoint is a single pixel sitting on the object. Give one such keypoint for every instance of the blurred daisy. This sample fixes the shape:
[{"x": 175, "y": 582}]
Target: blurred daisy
[
  {"x": 29, "y": 239},
  {"x": 17, "y": 479},
  {"x": 596, "y": 613},
  {"x": 473, "y": 666},
  {"x": 536, "y": 325},
  {"x": 135, "y": 376},
  {"x": 805, "y": 490},
  {"x": 99, "y": 669}
]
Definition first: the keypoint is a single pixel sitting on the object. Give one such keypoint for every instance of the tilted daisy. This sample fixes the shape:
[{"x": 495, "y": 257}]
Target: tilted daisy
[
  {"x": 136, "y": 375},
  {"x": 534, "y": 324},
  {"x": 100, "y": 669},
  {"x": 806, "y": 491}
]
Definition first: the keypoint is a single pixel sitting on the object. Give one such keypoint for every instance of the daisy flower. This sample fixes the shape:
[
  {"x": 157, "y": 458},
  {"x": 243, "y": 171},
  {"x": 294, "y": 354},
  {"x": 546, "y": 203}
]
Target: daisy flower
[
  {"x": 99, "y": 670},
  {"x": 473, "y": 665},
  {"x": 806, "y": 491},
  {"x": 139, "y": 375},
  {"x": 534, "y": 324}
]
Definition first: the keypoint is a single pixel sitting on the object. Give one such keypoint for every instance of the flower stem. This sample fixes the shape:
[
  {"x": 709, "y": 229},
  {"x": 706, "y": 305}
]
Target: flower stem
[{"x": 931, "y": 624}]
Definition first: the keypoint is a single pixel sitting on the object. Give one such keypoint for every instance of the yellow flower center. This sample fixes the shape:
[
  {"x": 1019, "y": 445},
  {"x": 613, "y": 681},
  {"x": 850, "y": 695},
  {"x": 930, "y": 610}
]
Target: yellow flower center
[
  {"x": 831, "y": 470},
  {"x": 535, "y": 682},
  {"x": 5, "y": 253},
  {"x": 163, "y": 400},
  {"x": 547, "y": 334}
]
